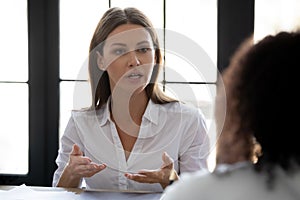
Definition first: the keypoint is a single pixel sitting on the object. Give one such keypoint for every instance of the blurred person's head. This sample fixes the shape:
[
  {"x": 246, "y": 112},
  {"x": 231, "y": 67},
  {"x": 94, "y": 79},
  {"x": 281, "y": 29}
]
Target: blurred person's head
[{"x": 261, "y": 103}]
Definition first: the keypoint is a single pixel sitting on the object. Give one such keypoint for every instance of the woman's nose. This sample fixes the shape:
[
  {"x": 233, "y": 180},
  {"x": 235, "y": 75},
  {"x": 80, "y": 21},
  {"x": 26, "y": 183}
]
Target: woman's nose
[{"x": 133, "y": 59}]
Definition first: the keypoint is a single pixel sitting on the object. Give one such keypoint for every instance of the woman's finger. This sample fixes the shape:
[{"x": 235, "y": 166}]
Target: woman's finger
[{"x": 167, "y": 161}]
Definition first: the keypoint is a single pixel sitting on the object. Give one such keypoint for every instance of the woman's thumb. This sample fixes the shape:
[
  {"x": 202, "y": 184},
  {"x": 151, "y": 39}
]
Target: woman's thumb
[{"x": 76, "y": 150}]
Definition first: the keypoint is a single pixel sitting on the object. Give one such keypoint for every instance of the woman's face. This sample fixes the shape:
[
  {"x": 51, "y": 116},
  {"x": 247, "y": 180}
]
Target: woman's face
[{"x": 128, "y": 57}]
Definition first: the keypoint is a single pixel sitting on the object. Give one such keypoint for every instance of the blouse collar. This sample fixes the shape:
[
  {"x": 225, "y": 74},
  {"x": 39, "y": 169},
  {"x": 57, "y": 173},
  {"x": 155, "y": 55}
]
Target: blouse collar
[{"x": 151, "y": 113}]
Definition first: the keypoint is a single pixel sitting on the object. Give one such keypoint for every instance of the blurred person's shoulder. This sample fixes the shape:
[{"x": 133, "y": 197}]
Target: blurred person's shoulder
[{"x": 187, "y": 187}]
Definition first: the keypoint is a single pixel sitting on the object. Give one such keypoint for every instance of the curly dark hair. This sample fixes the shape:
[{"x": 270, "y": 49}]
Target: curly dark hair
[{"x": 261, "y": 88}]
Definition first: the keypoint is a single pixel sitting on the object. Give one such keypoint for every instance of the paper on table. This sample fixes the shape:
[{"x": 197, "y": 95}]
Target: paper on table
[{"x": 25, "y": 193}]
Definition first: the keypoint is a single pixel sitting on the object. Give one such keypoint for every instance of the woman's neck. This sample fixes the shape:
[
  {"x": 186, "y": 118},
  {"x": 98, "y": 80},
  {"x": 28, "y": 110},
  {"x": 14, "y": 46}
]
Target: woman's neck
[{"x": 127, "y": 110}]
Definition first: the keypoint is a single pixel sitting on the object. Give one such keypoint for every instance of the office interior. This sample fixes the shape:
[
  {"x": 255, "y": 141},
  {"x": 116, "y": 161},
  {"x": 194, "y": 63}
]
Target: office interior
[{"x": 235, "y": 20}]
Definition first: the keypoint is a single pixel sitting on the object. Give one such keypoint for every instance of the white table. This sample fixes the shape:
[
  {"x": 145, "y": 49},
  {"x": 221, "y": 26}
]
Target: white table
[{"x": 47, "y": 193}]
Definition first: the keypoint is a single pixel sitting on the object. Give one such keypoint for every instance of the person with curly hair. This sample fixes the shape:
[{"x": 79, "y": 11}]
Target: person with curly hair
[{"x": 257, "y": 151}]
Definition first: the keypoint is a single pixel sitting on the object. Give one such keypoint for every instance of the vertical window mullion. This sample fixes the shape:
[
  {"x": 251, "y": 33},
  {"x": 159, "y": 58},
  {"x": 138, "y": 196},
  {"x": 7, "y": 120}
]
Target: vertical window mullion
[{"x": 235, "y": 24}]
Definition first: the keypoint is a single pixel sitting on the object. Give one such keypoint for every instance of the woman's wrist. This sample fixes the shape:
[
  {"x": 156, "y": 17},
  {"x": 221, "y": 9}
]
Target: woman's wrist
[
  {"x": 68, "y": 179},
  {"x": 172, "y": 178}
]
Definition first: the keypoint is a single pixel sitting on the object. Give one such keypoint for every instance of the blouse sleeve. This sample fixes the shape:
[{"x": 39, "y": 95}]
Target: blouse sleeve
[
  {"x": 67, "y": 140},
  {"x": 195, "y": 145}
]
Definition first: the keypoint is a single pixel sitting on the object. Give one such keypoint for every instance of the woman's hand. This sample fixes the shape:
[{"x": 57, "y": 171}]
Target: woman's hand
[
  {"x": 79, "y": 166},
  {"x": 161, "y": 175}
]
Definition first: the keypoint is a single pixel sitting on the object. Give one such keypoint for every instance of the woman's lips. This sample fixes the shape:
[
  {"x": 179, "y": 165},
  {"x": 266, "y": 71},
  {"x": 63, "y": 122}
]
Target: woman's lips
[{"x": 134, "y": 76}]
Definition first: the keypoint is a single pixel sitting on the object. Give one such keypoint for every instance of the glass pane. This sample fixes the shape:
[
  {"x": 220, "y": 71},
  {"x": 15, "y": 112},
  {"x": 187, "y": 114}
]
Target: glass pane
[
  {"x": 14, "y": 124},
  {"x": 189, "y": 66},
  {"x": 78, "y": 20},
  {"x": 198, "y": 95},
  {"x": 153, "y": 9},
  {"x": 14, "y": 41},
  {"x": 192, "y": 33},
  {"x": 272, "y": 16},
  {"x": 73, "y": 95}
]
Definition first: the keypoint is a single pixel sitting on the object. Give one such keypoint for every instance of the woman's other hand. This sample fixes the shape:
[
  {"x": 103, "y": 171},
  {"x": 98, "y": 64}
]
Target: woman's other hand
[{"x": 161, "y": 175}]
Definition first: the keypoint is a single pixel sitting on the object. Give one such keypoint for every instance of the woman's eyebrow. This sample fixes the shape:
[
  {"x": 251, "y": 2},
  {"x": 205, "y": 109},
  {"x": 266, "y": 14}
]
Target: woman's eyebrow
[
  {"x": 124, "y": 45},
  {"x": 118, "y": 44},
  {"x": 143, "y": 42}
]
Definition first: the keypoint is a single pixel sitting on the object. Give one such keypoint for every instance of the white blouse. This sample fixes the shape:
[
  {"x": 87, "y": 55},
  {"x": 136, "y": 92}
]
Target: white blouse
[{"x": 175, "y": 128}]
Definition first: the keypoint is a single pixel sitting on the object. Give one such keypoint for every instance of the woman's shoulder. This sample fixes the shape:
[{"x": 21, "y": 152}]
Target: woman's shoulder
[
  {"x": 82, "y": 111},
  {"x": 180, "y": 107},
  {"x": 86, "y": 112}
]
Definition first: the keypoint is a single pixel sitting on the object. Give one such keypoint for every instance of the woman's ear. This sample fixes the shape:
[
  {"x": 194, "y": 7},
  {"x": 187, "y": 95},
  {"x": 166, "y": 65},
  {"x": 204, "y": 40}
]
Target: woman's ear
[{"x": 100, "y": 61}]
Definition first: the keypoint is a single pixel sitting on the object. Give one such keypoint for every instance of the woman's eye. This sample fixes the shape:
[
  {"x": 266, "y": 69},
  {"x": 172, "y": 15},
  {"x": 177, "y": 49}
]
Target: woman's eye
[
  {"x": 144, "y": 49},
  {"x": 119, "y": 51}
]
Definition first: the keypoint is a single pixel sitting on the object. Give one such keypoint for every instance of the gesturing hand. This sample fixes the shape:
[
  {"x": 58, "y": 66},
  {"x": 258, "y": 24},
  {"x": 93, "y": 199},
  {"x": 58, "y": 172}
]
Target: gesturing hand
[
  {"x": 79, "y": 166},
  {"x": 161, "y": 175}
]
